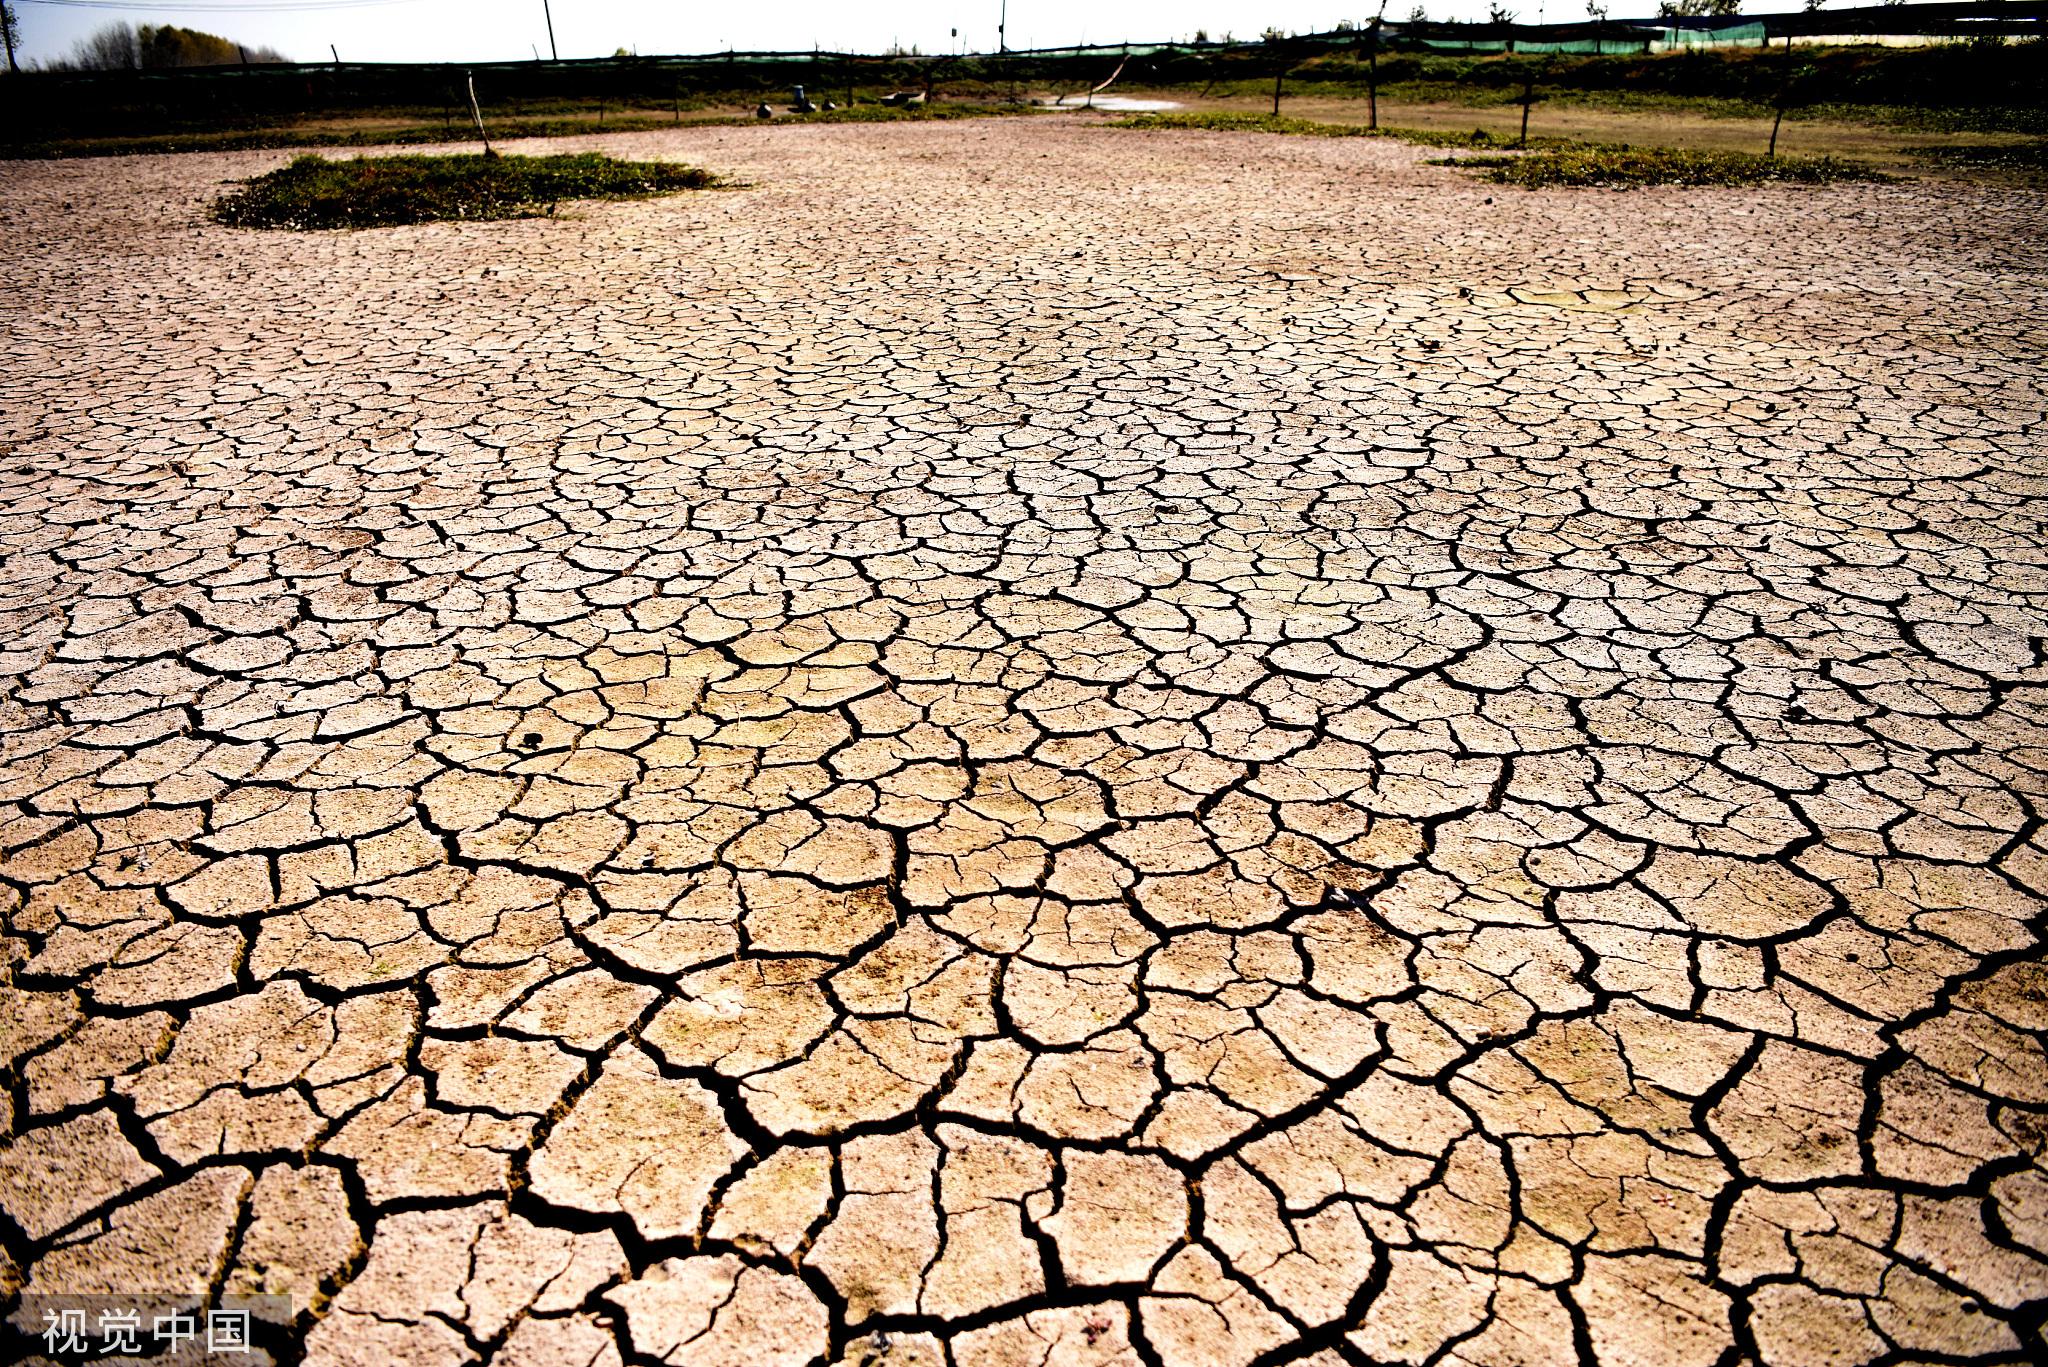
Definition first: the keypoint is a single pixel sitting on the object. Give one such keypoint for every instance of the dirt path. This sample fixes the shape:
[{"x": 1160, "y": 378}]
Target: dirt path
[{"x": 1026, "y": 744}]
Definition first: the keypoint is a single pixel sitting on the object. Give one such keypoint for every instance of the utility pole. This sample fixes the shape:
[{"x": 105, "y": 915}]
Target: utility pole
[
  {"x": 1002, "y": 23},
  {"x": 553, "y": 51}
]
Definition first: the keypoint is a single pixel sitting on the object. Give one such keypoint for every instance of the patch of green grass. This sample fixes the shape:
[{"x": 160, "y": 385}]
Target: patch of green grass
[
  {"x": 1627, "y": 168},
  {"x": 1228, "y": 122},
  {"x": 375, "y": 192},
  {"x": 1557, "y": 89},
  {"x": 502, "y": 130},
  {"x": 2016, "y": 156},
  {"x": 260, "y": 139},
  {"x": 1478, "y": 137},
  {"x": 1225, "y": 121}
]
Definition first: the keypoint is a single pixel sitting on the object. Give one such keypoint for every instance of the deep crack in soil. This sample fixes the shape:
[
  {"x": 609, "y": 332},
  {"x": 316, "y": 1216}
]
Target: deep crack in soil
[{"x": 1028, "y": 745}]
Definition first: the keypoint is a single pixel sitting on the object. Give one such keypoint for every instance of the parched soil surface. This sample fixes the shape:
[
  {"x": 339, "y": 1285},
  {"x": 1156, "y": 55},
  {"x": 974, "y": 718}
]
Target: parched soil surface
[{"x": 1027, "y": 744}]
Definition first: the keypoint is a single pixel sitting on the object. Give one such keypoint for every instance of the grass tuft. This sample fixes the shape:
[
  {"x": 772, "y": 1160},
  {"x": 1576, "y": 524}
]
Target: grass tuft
[
  {"x": 1226, "y": 122},
  {"x": 375, "y": 192},
  {"x": 1628, "y": 168}
]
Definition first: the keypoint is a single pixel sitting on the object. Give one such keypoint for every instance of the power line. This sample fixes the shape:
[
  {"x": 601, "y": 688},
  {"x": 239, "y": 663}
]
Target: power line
[{"x": 219, "y": 7}]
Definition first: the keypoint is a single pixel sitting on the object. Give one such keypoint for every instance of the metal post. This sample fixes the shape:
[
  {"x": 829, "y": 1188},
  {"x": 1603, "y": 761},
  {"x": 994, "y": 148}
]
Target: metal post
[{"x": 549, "y": 14}]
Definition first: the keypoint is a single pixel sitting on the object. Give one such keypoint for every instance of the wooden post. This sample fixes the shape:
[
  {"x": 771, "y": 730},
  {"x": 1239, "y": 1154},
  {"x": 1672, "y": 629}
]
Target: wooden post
[
  {"x": 1277, "y": 75},
  {"x": 1784, "y": 93},
  {"x": 1372, "y": 78},
  {"x": 1528, "y": 97}
]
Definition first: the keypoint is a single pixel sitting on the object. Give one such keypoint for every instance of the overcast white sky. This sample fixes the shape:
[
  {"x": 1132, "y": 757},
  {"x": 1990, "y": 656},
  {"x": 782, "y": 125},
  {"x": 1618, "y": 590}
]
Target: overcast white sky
[{"x": 486, "y": 30}]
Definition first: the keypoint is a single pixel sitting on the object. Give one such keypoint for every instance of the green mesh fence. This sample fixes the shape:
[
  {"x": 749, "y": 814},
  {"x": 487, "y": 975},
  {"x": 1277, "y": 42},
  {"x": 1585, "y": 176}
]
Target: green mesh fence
[{"x": 1730, "y": 35}]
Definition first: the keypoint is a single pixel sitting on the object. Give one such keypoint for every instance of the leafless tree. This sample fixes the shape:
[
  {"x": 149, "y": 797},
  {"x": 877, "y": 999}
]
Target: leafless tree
[
  {"x": 110, "y": 48},
  {"x": 10, "y": 32}
]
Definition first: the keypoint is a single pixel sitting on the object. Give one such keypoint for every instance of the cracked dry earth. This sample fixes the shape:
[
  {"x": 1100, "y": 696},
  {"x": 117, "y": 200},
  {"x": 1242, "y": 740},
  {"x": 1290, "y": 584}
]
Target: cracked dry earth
[{"x": 1030, "y": 745}]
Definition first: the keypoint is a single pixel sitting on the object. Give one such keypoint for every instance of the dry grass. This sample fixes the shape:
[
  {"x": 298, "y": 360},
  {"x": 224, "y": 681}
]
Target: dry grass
[{"x": 1888, "y": 146}]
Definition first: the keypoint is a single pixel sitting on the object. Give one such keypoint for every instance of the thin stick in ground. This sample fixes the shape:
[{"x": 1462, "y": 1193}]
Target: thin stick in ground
[{"x": 478, "y": 114}]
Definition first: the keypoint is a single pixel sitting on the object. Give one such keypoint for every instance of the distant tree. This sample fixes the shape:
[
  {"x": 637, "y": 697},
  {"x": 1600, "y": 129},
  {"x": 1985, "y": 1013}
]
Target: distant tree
[
  {"x": 1499, "y": 14},
  {"x": 1596, "y": 11},
  {"x": 1418, "y": 15},
  {"x": 1696, "y": 9},
  {"x": 1273, "y": 35},
  {"x": 167, "y": 45},
  {"x": 1201, "y": 35},
  {"x": 111, "y": 47},
  {"x": 10, "y": 32},
  {"x": 158, "y": 47}
]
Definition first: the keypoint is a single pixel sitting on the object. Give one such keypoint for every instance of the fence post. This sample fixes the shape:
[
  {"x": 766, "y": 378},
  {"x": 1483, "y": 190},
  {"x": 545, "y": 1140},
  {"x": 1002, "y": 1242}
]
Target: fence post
[
  {"x": 1784, "y": 94},
  {"x": 1372, "y": 77}
]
